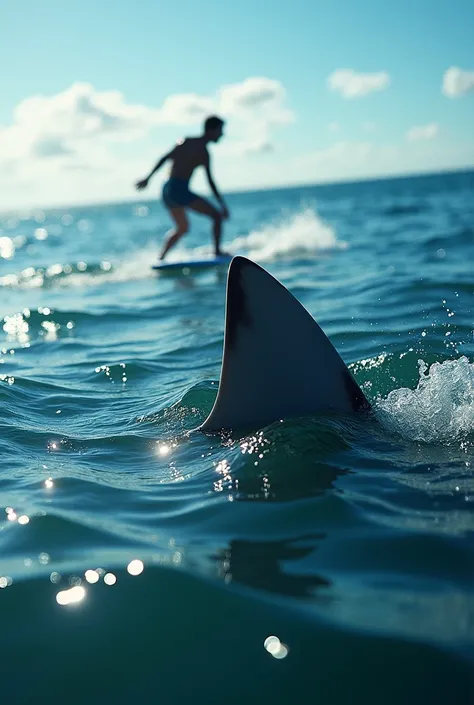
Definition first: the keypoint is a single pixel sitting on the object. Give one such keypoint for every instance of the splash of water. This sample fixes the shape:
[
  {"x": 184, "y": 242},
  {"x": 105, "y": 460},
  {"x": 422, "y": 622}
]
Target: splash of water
[
  {"x": 439, "y": 410},
  {"x": 82, "y": 274},
  {"x": 301, "y": 233},
  {"x": 298, "y": 233},
  {"x": 134, "y": 268}
]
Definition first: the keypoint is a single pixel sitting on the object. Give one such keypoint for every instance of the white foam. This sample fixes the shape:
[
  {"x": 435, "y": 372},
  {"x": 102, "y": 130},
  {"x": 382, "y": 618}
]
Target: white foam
[
  {"x": 439, "y": 410},
  {"x": 291, "y": 234},
  {"x": 294, "y": 233},
  {"x": 134, "y": 268}
]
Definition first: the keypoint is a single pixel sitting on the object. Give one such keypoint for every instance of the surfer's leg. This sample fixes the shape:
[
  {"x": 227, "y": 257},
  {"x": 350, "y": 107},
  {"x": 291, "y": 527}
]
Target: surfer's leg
[
  {"x": 182, "y": 227},
  {"x": 200, "y": 205}
]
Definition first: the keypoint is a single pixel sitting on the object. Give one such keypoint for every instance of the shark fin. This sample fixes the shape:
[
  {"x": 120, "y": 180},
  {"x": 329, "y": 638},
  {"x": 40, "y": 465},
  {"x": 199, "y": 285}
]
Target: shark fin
[{"x": 277, "y": 362}]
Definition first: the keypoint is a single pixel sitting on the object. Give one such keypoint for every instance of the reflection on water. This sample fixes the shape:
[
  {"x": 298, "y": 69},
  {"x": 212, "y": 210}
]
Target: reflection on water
[{"x": 267, "y": 565}]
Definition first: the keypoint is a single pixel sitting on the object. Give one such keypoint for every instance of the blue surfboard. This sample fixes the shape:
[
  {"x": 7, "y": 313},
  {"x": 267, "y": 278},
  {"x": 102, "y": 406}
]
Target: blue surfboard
[{"x": 192, "y": 263}]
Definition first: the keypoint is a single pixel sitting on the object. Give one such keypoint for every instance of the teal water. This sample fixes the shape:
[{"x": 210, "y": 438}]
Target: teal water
[{"x": 349, "y": 541}]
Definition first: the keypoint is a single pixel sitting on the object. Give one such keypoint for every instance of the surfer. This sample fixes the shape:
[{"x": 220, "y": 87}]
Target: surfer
[{"x": 189, "y": 154}]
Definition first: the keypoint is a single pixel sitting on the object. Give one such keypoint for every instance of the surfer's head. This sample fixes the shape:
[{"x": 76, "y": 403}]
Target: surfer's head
[{"x": 213, "y": 128}]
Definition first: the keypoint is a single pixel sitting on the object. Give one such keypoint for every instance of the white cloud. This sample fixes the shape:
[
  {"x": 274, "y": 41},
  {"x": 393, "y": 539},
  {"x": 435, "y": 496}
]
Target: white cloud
[
  {"x": 256, "y": 107},
  {"x": 343, "y": 160},
  {"x": 50, "y": 147},
  {"x": 258, "y": 146},
  {"x": 423, "y": 132},
  {"x": 369, "y": 126},
  {"x": 62, "y": 124},
  {"x": 333, "y": 127},
  {"x": 457, "y": 82},
  {"x": 351, "y": 84},
  {"x": 185, "y": 109},
  {"x": 251, "y": 93},
  {"x": 77, "y": 119},
  {"x": 61, "y": 142},
  {"x": 347, "y": 160}
]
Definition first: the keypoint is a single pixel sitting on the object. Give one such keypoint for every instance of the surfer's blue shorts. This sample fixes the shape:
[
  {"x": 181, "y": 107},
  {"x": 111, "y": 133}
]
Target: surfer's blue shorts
[{"x": 176, "y": 193}]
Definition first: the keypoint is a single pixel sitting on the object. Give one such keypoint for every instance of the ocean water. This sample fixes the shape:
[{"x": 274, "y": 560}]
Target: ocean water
[{"x": 323, "y": 560}]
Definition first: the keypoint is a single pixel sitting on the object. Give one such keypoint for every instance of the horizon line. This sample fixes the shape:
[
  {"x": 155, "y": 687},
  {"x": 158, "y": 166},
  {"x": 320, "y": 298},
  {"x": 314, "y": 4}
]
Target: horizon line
[{"x": 254, "y": 190}]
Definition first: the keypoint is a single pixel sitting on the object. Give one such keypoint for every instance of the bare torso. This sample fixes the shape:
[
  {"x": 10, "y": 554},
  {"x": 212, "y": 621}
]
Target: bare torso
[{"x": 187, "y": 156}]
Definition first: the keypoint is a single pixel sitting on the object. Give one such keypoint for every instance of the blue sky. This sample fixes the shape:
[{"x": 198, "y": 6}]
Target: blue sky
[{"x": 265, "y": 65}]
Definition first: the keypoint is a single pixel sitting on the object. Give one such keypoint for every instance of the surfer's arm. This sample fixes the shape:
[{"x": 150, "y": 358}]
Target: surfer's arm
[
  {"x": 159, "y": 164},
  {"x": 207, "y": 166}
]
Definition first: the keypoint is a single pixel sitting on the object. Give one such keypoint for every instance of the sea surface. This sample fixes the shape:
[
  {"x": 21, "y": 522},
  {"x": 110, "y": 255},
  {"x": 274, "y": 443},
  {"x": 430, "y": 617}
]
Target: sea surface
[{"x": 325, "y": 560}]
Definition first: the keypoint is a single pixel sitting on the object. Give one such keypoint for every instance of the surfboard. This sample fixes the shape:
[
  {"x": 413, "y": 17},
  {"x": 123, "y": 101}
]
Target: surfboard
[{"x": 192, "y": 263}]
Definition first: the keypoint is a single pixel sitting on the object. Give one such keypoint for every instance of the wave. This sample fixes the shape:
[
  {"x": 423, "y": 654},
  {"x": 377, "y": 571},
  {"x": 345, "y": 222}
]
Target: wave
[
  {"x": 303, "y": 233},
  {"x": 81, "y": 274},
  {"x": 294, "y": 234},
  {"x": 439, "y": 410}
]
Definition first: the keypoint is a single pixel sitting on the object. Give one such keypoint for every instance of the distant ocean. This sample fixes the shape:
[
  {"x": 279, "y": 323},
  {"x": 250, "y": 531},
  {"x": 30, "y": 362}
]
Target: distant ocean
[{"x": 322, "y": 560}]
